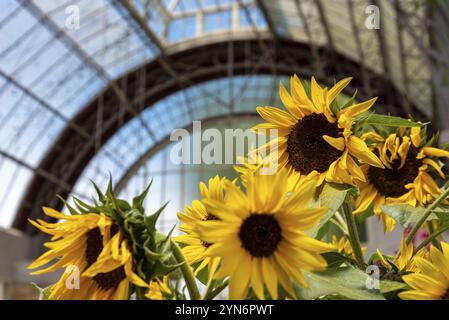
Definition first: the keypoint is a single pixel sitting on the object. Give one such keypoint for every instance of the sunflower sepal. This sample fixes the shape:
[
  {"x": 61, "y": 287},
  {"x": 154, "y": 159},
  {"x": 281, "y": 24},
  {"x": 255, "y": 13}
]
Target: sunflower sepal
[
  {"x": 43, "y": 293},
  {"x": 432, "y": 142},
  {"x": 337, "y": 105},
  {"x": 72, "y": 210},
  {"x": 150, "y": 221},
  {"x": 138, "y": 201}
]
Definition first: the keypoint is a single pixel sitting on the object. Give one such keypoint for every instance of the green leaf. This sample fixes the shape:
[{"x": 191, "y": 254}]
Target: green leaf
[
  {"x": 387, "y": 286},
  {"x": 405, "y": 214},
  {"x": 347, "y": 282},
  {"x": 332, "y": 196},
  {"x": 390, "y": 121}
]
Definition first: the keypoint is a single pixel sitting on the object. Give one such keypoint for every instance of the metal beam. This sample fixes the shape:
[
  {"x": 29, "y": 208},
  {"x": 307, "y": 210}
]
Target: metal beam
[
  {"x": 48, "y": 176},
  {"x": 44, "y": 104},
  {"x": 325, "y": 23},
  {"x": 263, "y": 8},
  {"x": 310, "y": 40},
  {"x": 358, "y": 44},
  {"x": 148, "y": 32},
  {"x": 383, "y": 46},
  {"x": 151, "y": 38},
  {"x": 87, "y": 60}
]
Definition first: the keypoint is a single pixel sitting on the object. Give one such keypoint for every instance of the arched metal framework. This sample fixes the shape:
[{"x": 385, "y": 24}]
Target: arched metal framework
[{"x": 189, "y": 65}]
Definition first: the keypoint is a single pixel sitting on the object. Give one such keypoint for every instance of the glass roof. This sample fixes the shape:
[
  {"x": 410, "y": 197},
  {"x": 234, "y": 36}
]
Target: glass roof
[{"x": 50, "y": 69}]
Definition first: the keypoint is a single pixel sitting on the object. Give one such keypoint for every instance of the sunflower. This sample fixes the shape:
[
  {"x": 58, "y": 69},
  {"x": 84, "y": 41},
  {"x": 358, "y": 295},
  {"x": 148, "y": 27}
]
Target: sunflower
[
  {"x": 259, "y": 235},
  {"x": 343, "y": 246},
  {"x": 314, "y": 140},
  {"x": 194, "y": 246},
  {"x": 431, "y": 281},
  {"x": 405, "y": 178},
  {"x": 158, "y": 288},
  {"x": 94, "y": 247},
  {"x": 405, "y": 260},
  {"x": 255, "y": 164}
]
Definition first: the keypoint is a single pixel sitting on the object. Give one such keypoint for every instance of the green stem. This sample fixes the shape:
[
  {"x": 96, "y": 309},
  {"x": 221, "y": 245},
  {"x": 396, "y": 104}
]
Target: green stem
[
  {"x": 140, "y": 294},
  {"x": 432, "y": 231},
  {"x": 186, "y": 272},
  {"x": 212, "y": 294},
  {"x": 354, "y": 237},
  {"x": 210, "y": 285},
  {"x": 426, "y": 214},
  {"x": 342, "y": 222},
  {"x": 430, "y": 239}
]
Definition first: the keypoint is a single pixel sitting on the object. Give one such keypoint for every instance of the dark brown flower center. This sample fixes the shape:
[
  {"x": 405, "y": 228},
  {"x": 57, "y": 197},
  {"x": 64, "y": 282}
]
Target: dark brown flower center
[
  {"x": 445, "y": 296},
  {"x": 392, "y": 182},
  {"x": 260, "y": 234},
  {"x": 94, "y": 246},
  {"x": 211, "y": 217},
  {"x": 306, "y": 148}
]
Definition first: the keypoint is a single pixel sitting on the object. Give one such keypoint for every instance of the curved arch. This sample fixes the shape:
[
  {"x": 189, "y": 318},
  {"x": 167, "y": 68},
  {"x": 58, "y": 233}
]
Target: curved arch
[
  {"x": 71, "y": 153},
  {"x": 166, "y": 141}
]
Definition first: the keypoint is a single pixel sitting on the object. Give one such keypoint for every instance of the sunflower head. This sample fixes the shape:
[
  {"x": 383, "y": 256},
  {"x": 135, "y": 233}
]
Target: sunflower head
[
  {"x": 159, "y": 289},
  {"x": 315, "y": 135},
  {"x": 111, "y": 245},
  {"x": 343, "y": 246},
  {"x": 404, "y": 261},
  {"x": 255, "y": 164},
  {"x": 430, "y": 281},
  {"x": 193, "y": 246},
  {"x": 408, "y": 175},
  {"x": 260, "y": 235}
]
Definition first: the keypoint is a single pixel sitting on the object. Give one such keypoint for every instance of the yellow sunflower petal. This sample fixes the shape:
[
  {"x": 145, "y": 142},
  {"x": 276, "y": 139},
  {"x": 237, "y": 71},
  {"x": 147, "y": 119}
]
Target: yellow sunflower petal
[
  {"x": 435, "y": 166},
  {"x": 415, "y": 135},
  {"x": 337, "y": 143},
  {"x": 276, "y": 116},
  {"x": 358, "y": 149},
  {"x": 270, "y": 277},
  {"x": 435, "y": 152},
  {"x": 357, "y": 109},
  {"x": 337, "y": 88}
]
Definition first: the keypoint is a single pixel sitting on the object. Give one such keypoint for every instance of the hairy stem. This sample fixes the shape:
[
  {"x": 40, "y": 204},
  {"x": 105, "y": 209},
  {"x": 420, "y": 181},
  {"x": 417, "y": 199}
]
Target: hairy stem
[
  {"x": 186, "y": 272},
  {"x": 431, "y": 238},
  {"x": 426, "y": 214},
  {"x": 212, "y": 294},
  {"x": 354, "y": 237}
]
